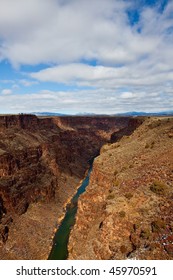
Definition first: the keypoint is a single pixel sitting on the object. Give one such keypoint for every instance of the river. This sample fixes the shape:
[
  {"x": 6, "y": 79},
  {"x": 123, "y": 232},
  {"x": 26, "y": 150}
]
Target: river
[{"x": 59, "y": 249}]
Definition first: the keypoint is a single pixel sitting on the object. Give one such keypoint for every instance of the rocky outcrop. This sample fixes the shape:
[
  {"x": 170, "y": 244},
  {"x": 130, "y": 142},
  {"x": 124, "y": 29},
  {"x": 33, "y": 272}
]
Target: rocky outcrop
[
  {"x": 42, "y": 161},
  {"x": 133, "y": 124},
  {"x": 126, "y": 211},
  {"x": 18, "y": 121}
]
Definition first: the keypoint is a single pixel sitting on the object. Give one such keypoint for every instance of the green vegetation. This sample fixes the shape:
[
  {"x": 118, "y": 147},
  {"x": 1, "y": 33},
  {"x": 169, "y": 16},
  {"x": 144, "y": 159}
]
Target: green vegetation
[
  {"x": 115, "y": 172},
  {"x": 143, "y": 211},
  {"x": 154, "y": 124},
  {"x": 124, "y": 168},
  {"x": 122, "y": 214},
  {"x": 128, "y": 195},
  {"x": 111, "y": 196},
  {"x": 147, "y": 146},
  {"x": 151, "y": 145},
  {"x": 158, "y": 225},
  {"x": 158, "y": 187},
  {"x": 116, "y": 183},
  {"x": 145, "y": 233}
]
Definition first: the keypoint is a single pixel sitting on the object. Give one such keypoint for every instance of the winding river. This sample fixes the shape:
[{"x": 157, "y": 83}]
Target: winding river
[{"x": 59, "y": 250}]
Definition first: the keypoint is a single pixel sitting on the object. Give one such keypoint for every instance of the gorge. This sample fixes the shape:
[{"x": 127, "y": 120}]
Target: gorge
[
  {"x": 60, "y": 245},
  {"x": 125, "y": 211},
  {"x": 42, "y": 161}
]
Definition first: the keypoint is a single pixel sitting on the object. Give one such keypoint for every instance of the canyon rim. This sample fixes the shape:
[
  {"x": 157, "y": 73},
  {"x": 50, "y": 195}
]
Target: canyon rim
[{"x": 125, "y": 212}]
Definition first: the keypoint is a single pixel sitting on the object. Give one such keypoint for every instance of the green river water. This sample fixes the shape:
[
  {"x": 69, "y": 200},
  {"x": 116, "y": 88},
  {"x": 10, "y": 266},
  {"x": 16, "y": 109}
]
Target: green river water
[{"x": 59, "y": 250}]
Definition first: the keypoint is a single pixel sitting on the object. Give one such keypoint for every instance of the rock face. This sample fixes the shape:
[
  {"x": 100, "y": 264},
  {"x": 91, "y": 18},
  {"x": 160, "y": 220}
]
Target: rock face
[
  {"x": 127, "y": 209},
  {"x": 42, "y": 161}
]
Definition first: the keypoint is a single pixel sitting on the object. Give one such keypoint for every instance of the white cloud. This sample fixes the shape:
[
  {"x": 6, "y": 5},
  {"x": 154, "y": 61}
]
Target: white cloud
[
  {"x": 42, "y": 31},
  {"x": 76, "y": 72},
  {"x": 7, "y": 81},
  {"x": 128, "y": 95},
  {"x": 134, "y": 63},
  {"x": 15, "y": 86},
  {"x": 6, "y": 91},
  {"x": 27, "y": 83},
  {"x": 102, "y": 101},
  {"x": 106, "y": 77},
  {"x": 47, "y": 31}
]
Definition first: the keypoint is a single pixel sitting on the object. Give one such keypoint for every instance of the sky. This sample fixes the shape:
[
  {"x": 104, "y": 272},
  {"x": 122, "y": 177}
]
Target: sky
[{"x": 86, "y": 56}]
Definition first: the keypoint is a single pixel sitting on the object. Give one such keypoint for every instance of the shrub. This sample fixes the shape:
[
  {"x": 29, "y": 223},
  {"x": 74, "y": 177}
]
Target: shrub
[
  {"x": 128, "y": 195},
  {"x": 158, "y": 225},
  {"x": 111, "y": 196},
  {"x": 145, "y": 234},
  {"x": 170, "y": 135},
  {"x": 115, "y": 173},
  {"x": 158, "y": 187},
  {"x": 124, "y": 168},
  {"x": 143, "y": 211},
  {"x": 116, "y": 183},
  {"x": 123, "y": 249},
  {"x": 122, "y": 214},
  {"x": 151, "y": 145},
  {"x": 154, "y": 124}
]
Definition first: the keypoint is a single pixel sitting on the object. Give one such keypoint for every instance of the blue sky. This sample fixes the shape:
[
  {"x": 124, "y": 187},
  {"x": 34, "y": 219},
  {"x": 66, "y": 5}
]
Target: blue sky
[{"x": 95, "y": 56}]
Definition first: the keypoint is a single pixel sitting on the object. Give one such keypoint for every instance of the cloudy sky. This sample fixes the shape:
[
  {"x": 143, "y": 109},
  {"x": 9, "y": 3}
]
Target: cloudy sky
[{"x": 94, "y": 56}]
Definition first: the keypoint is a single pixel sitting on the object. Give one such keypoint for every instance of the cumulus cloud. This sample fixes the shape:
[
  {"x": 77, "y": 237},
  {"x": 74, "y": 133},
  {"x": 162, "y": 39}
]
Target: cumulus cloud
[
  {"x": 67, "y": 31},
  {"x": 77, "y": 73},
  {"x": 127, "y": 95},
  {"x": 57, "y": 31},
  {"x": 6, "y": 91},
  {"x": 107, "y": 77},
  {"x": 27, "y": 83},
  {"x": 127, "y": 62},
  {"x": 93, "y": 101}
]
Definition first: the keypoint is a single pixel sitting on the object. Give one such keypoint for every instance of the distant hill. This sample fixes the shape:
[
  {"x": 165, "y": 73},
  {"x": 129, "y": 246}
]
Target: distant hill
[
  {"x": 126, "y": 114},
  {"x": 86, "y": 114},
  {"x": 133, "y": 113},
  {"x": 47, "y": 114},
  {"x": 165, "y": 113}
]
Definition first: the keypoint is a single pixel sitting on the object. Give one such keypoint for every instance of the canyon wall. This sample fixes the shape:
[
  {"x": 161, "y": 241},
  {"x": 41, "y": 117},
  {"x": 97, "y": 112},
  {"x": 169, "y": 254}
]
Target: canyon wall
[
  {"x": 126, "y": 211},
  {"x": 42, "y": 161}
]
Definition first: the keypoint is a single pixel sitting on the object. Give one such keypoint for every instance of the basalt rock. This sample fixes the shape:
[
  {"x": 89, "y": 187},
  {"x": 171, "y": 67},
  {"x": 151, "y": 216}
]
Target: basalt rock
[
  {"x": 126, "y": 211},
  {"x": 42, "y": 161}
]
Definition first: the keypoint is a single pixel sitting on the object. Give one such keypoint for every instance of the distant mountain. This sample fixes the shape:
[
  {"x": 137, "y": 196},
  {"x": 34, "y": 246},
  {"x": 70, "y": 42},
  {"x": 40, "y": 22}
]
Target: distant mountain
[
  {"x": 126, "y": 114},
  {"x": 133, "y": 113},
  {"x": 85, "y": 114},
  {"x": 47, "y": 114},
  {"x": 165, "y": 113}
]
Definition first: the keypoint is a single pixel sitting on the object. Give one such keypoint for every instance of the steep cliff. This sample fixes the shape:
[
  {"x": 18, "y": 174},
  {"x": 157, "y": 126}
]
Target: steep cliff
[
  {"x": 127, "y": 209},
  {"x": 42, "y": 161}
]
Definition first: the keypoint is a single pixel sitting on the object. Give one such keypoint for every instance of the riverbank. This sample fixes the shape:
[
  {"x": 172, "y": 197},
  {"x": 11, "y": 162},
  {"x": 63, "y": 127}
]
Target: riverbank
[
  {"x": 60, "y": 244},
  {"x": 31, "y": 234},
  {"x": 41, "y": 164}
]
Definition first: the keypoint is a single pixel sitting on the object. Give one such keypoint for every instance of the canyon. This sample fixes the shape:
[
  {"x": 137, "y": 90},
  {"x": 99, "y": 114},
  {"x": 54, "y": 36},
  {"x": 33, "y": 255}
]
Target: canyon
[
  {"x": 126, "y": 211},
  {"x": 42, "y": 162}
]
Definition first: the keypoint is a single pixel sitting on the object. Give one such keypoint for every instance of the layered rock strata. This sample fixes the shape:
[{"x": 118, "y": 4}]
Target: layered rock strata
[
  {"x": 42, "y": 161},
  {"x": 127, "y": 209}
]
